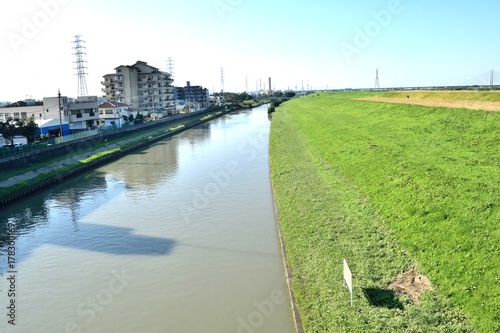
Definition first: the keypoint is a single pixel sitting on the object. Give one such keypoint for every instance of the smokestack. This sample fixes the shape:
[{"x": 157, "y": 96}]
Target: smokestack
[{"x": 270, "y": 86}]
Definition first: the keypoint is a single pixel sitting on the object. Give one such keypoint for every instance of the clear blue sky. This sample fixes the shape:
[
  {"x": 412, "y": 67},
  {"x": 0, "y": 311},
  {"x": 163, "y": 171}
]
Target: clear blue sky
[{"x": 323, "y": 43}]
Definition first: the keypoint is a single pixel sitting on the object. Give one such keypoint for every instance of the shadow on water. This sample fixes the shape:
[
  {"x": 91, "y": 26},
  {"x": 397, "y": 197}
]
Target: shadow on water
[
  {"x": 114, "y": 240},
  {"x": 382, "y": 298}
]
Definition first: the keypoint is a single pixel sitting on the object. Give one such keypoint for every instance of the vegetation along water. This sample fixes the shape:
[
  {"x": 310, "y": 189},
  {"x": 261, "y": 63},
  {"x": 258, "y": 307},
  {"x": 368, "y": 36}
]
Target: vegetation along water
[{"x": 408, "y": 194}]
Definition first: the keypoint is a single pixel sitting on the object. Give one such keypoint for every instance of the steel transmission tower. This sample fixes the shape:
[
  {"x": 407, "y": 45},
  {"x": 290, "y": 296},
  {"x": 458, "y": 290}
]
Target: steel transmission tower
[
  {"x": 222, "y": 79},
  {"x": 377, "y": 82},
  {"x": 80, "y": 66},
  {"x": 170, "y": 67}
]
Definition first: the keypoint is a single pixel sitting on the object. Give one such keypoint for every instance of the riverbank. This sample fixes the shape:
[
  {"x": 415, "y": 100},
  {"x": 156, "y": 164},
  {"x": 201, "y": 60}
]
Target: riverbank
[
  {"x": 186, "y": 223},
  {"x": 18, "y": 184},
  {"x": 404, "y": 193}
]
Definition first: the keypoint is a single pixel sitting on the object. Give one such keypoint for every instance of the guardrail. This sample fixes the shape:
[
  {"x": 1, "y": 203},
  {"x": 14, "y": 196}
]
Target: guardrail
[{"x": 18, "y": 151}]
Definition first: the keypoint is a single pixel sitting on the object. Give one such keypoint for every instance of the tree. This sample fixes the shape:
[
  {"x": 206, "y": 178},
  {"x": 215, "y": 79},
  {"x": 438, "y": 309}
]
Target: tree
[
  {"x": 125, "y": 118},
  {"x": 9, "y": 129},
  {"x": 131, "y": 118},
  {"x": 27, "y": 128}
]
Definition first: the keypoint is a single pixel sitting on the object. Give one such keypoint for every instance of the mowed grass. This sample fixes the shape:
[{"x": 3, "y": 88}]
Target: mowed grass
[
  {"x": 438, "y": 95},
  {"x": 387, "y": 186}
]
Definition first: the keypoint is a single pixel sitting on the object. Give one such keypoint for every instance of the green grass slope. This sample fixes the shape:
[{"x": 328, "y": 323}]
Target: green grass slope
[
  {"x": 439, "y": 95},
  {"x": 385, "y": 186}
]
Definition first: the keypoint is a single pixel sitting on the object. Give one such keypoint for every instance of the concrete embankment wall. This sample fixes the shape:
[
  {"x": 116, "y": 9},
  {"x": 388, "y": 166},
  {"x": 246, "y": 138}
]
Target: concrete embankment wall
[{"x": 28, "y": 190}]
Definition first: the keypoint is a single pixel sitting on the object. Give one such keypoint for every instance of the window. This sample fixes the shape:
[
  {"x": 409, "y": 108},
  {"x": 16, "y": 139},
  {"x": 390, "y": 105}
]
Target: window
[
  {"x": 101, "y": 112},
  {"x": 109, "y": 111}
]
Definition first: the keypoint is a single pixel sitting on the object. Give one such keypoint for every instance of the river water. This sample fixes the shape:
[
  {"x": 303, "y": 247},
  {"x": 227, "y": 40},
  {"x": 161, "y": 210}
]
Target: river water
[{"x": 178, "y": 237}]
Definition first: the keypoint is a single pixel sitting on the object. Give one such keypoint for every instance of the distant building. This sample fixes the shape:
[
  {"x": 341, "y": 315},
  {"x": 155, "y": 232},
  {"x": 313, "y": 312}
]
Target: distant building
[
  {"x": 74, "y": 116},
  {"x": 142, "y": 86},
  {"x": 192, "y": 95}
]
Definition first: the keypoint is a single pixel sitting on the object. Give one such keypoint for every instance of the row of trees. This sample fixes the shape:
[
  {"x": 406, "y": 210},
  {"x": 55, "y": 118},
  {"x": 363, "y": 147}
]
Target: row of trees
[
  {"x": 12, "y": 127},
  {"x": 244, "y": 96},
  {"x": 274, "y": 105}
]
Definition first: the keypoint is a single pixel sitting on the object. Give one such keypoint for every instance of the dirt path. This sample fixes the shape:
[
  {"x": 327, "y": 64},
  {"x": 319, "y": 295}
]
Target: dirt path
[{"x": 475, "y": 105}]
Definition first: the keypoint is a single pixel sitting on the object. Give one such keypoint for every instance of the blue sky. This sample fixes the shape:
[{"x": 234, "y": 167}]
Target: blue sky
[{"x": 324, "y": 44}]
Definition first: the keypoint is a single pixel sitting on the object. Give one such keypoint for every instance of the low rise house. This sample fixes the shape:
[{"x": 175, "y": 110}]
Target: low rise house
[
  {"x": 84, "y": 114},
  {"x": 53, "y": 113},
  {"x": 113, "y": 113}
]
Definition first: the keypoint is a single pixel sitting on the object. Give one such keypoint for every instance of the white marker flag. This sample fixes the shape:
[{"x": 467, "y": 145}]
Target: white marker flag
[{"x": 348, "y": 278}]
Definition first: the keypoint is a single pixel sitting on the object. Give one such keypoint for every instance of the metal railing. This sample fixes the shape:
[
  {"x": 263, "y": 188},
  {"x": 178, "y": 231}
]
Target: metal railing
[{"x": 10, "y": 152}]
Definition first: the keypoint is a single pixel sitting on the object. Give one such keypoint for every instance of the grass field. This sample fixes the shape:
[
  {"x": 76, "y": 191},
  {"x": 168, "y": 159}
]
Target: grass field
[{"x": 390, "y": 187}]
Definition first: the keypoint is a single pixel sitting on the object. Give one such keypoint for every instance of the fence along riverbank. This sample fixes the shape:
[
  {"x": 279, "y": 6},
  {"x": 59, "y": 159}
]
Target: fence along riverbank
[{"x": 21, "y": 191}]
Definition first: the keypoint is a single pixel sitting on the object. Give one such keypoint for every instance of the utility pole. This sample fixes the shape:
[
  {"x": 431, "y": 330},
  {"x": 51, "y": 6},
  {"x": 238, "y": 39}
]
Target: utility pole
[
  {"x": 60, "y": 116},
  {"x": 377, "y": 81}
]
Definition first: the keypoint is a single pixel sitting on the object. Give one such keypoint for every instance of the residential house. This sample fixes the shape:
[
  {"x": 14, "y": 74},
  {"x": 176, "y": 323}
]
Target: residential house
[
  {"x": 111, "y": 113},
  {"x": 84, "y": 113}
]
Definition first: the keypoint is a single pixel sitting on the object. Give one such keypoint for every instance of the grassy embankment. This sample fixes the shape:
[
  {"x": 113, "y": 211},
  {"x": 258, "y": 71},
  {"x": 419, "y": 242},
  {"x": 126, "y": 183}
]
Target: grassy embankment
[
  {"x": 171, "y": 127},
  {"x": 388, "y": 187}
]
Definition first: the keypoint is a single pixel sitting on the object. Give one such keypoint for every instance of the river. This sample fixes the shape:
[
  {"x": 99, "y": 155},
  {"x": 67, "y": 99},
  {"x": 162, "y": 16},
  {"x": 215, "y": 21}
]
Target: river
[{"x": 178, "y": 237}]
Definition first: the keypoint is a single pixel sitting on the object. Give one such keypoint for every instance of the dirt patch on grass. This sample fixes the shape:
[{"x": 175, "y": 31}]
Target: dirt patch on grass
[
  {"x": 411, "y": 283},
  {"x": 474, "y": 105}
]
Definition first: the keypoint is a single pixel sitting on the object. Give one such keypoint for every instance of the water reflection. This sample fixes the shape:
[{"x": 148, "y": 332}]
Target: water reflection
[
  {"x": 147, "y": 167},
  {"x": 36, "y": 211},
  {"x": 200, "y": 276}
]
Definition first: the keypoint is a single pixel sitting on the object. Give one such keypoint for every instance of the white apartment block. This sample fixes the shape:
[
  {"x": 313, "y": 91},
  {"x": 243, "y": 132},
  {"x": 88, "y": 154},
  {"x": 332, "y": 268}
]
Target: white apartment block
[{"x": 142, "y": 86}]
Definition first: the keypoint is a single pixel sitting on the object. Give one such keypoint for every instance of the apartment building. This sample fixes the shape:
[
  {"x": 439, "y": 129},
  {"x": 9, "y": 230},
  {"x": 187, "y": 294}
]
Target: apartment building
[
  {"x": 142, "y": 86},
  {"x": 192, "y": 95}
]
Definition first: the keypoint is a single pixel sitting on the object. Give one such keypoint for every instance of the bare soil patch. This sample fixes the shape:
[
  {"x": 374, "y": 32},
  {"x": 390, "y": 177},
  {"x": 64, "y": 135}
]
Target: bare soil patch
[
  {"x": 474, "y": 105},
  {"x": 411, "y": 283}
]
